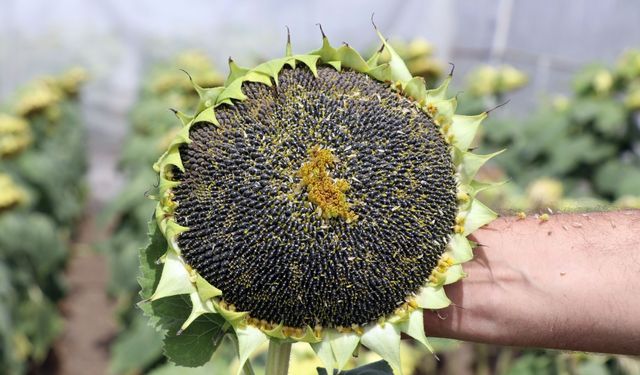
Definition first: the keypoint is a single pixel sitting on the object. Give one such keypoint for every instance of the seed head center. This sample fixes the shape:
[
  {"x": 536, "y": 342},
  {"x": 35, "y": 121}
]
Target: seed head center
[{"x": 327, "y": 193}]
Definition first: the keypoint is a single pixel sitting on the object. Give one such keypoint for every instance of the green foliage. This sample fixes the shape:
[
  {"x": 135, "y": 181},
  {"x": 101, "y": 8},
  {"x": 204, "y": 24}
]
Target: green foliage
[
  {"x": 487, "y": 86},
  {"x": 32, "y": 255},
  {"x": 589, "y": 140},
  {"x": 126, "y": 350},
  {"x": 55, "y": 167}
]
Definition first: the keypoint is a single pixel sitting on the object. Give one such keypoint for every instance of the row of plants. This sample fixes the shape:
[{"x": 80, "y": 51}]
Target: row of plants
[
  {"x": 42, "y": 195},
  {"x": 578, "y": 151}
]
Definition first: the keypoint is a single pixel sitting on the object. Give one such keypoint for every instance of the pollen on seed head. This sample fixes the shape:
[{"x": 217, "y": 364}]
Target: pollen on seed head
[{"x": 326, "y": 193}]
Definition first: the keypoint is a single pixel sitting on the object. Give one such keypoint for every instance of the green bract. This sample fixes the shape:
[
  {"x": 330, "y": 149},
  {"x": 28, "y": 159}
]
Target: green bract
[{"x": 319, "y": 198}]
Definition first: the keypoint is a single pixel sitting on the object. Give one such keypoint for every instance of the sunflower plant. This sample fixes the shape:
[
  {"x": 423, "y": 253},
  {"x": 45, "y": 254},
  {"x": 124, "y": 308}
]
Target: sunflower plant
[{"x": 318, "y": 198}]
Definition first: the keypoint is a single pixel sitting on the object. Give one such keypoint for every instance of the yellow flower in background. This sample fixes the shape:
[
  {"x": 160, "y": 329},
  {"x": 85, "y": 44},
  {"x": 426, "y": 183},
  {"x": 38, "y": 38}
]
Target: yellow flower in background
[{"x": 15, "y": 135}]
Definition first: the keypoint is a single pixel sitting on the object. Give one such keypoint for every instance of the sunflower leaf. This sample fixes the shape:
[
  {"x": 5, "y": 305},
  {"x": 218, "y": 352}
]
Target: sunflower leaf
[
  {"x": 399, "y": 70},
  {"x": 195, "y": 345}
]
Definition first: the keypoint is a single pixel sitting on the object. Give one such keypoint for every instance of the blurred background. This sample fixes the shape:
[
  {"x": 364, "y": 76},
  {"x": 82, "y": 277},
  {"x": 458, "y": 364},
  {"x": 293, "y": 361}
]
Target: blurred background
[{"x": 85, "y": 88}]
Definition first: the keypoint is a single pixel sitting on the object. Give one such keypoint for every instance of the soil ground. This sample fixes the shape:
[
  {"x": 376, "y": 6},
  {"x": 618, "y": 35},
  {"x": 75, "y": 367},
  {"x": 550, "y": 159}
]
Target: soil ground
[{"x": 89, "y": 325}]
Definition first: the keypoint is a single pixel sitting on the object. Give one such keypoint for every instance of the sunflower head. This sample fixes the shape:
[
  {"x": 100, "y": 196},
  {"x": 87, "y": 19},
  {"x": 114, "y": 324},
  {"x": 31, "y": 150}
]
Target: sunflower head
[
  {"x": 71, "y": 81},
  {"x": 321, "y": 198},
  {"x": 15, "y": 135},
  {"x": 41, "y": 96}
]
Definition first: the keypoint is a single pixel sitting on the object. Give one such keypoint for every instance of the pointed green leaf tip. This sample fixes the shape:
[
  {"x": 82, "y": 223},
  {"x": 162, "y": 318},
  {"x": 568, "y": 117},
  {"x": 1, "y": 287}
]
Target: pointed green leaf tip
[
  {"x": 234, "y": 72},
  {"x": 249, "y": 339},
  {"x": 478, "y": 216},
  {"x": 399, "y": 71},
  {"x": 327, "y": 53},
  {"x": 465, "y": 128},
  {"x": 343, "y": 345},
  {"x": 460, "y": 249},
  {"x": 199, "y": 308},
  {"x": 325, "y": 353},
  {"x": 288, "y": 49},
  {"x": 385, "y": 341},
  {"x": 469, "y": 164},
  {"x": 433, "y": 298},
  {"x": 414, "y": 327},
  {"x": 174, "y": 279}
]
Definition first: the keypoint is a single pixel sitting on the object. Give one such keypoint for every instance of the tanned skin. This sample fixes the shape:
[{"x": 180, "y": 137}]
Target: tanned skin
[{"x": 571, "y": 282}]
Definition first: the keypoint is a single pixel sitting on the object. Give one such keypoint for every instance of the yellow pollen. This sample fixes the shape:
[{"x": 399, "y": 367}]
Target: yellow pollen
[
  {"x": 413, "y": 303},
  {"x": 439, "y": 273},
  {"x": 317, "y": 330},
  {"x": 462, "y": 197},
  {"x": 431, "y": 109},
  {"x": 326, "y": 193},
  {"x": 357, "y": 329}
]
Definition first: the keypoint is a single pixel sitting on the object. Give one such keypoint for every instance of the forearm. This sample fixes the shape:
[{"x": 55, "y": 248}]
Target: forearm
[{"x": 572, "y": 282}]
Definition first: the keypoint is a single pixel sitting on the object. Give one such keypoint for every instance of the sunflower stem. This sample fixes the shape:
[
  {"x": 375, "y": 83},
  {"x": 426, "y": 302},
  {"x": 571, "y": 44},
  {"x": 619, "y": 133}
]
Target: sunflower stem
[{"x": 278, "y": 357}]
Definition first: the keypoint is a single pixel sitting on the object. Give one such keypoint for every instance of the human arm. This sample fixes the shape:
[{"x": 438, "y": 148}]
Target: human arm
[{"x": 572, "y": 282}]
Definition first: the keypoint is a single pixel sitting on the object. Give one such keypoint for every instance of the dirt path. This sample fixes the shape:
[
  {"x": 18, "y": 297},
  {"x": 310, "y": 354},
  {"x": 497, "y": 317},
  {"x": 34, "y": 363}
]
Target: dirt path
[{"x": 89, "y": 324}]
